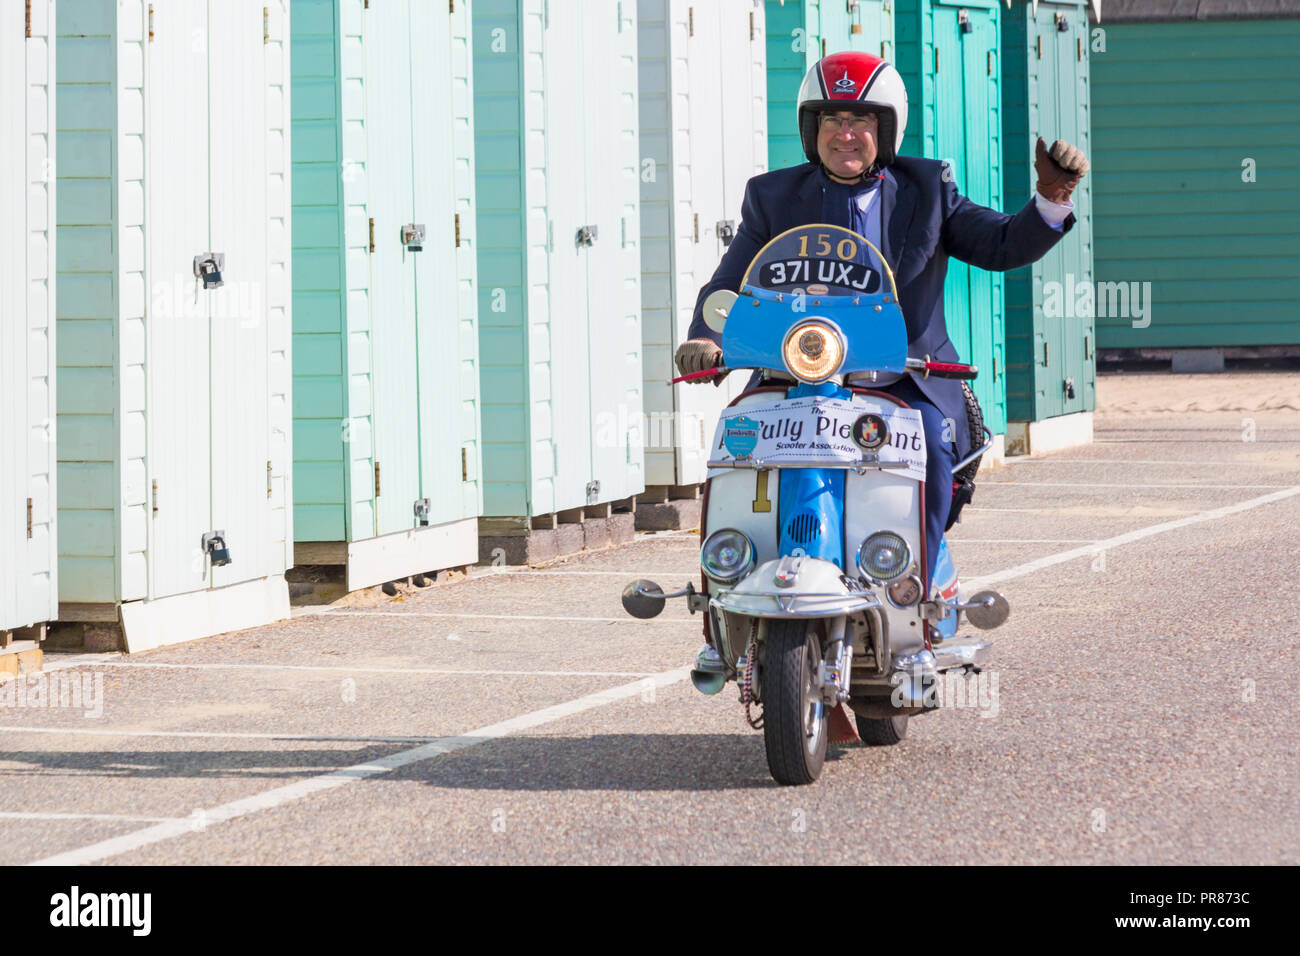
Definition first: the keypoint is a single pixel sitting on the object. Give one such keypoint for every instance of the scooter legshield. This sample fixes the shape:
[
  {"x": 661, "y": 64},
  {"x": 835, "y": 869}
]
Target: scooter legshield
[{"x": 812, "y": 513}]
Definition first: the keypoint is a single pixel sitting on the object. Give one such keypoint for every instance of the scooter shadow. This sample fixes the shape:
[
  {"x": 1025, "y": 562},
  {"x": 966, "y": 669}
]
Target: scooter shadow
[{"x": 645, "y": 762}]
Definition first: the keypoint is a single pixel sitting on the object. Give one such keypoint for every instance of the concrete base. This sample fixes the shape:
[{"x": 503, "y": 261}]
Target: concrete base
[
  {"x": 1049, "y": 435},
  {"x": 569, "y": 538},
  {"x": 995, "y": 457},
  {"x": 1196, "y": 360},
  {"x": 595, "y": 533},
  {"x": 536, "y": 547},
  {"x": 677, "y": 515}
]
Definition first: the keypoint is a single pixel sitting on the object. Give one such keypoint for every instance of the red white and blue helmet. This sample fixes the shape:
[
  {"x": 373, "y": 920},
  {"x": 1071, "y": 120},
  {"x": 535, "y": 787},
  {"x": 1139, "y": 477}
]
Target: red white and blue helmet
[{"x": 859, "y": 83}]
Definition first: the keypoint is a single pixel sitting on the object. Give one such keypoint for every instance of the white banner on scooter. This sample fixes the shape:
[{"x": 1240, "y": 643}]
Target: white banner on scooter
[{"x": 817, "y": 431}]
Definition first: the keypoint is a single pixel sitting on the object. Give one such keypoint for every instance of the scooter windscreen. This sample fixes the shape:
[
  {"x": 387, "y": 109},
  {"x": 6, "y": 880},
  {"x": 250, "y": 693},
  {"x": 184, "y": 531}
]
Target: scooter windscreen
[{"x": 822, "y": 278}]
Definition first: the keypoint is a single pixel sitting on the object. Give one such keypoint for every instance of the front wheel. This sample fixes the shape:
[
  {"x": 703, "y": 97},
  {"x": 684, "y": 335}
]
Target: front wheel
[
  {"x": 882, "y": 731},
  {"x": 794, "y": 715}
]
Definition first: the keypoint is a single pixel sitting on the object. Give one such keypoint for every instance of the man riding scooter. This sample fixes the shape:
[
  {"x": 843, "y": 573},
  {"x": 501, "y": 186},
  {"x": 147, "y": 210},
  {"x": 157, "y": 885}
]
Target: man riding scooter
[{"x": 852, "y": 111}]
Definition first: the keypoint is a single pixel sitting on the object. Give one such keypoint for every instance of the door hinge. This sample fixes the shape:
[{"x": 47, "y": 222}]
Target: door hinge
[
  {"x": 266, "y": 25},
  {"x": 1046, "y": 354},
  {"x": 1086, "y": 347},
  {"x": 1078, "y": 49},
  {"x": 1040, "y": 46},
  {"x": 995, "y": 368},
  {"x": 268, "y": 479},
  {"x": 936, "y": 59},
  {"x": 457, "y": 230},
  {"x": 372, "y": 235},
  {"x": 696, "y": 217},
  {"x": 29, "y": 517},
  {"x": 464, "y": 465},
  {"x": 823, "y": 48},
  {"x": 690, "y": 21},
  {"x": 751, "y": 26},
  {"x": 990, "y": 62},
  {"x": 151, "y": 23},
  {"x": 451, "y": 6},
  {"x": 376, "y": 479},
  {"x": 28, "y": 34},
  {"x": 153, "y": 496}
]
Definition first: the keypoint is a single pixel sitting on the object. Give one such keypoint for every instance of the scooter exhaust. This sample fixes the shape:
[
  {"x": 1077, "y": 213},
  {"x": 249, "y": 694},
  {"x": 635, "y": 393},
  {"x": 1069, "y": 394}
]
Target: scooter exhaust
[{"x": 709, "y": 675}]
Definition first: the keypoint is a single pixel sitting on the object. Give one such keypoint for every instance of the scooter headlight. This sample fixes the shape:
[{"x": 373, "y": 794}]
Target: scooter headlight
[
  {"x": 884, "y": 556},
  {"x": 727, "y": 556},
  {"x": 813, "y": 351}
]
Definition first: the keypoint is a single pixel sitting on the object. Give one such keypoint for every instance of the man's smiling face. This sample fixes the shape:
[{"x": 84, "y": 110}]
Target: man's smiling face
[{"x": 846, "y": 143}]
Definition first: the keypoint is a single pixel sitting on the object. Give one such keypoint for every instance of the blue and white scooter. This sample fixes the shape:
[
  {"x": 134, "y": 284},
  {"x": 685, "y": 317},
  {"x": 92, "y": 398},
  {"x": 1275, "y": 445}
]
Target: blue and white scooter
[{"x": 813, "y": 527}]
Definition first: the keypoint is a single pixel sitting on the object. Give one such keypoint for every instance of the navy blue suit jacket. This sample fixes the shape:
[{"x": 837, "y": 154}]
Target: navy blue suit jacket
[{"x": 925, "y": 221}]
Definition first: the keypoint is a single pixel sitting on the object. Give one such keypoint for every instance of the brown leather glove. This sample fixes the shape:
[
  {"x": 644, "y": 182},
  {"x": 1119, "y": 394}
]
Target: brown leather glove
[
  {"x": 695, "y": 355},
  {"x": 1059, "y": 169}
]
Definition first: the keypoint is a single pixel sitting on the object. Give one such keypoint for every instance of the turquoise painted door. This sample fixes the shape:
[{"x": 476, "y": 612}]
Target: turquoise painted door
[
  {"x": 393, "y": 344},
  {"x": 968, "y": 137},
  {"x": 1062, "y": 115}
]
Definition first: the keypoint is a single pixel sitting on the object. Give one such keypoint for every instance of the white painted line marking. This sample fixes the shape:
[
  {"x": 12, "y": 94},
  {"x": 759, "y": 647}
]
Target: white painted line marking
[
  {"x": 1122, "y": 539},
  {"x": 955, "y": 541},
  {"x": 343, "y": 669},
  {"x": 11, "y": 815},
  {"x": 350, "y": 612},
  {"x": 1086, "y": 484},
  {"x": 208, "y": 735},
  {"x": 338, "y": 778},
  {"x": 1128, "y": 461},
  {"x": 55, "y": 661},
  {"x": 660, "y": 572}
]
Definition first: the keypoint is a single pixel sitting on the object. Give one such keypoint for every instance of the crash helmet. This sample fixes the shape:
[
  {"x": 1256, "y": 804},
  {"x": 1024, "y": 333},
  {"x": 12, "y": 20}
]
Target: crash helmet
[{"x": 860, "y": 83}]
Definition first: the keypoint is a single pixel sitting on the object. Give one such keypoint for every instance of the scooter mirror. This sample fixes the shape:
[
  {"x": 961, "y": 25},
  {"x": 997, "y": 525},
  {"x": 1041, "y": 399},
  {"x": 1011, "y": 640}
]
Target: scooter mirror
[
  {"x": 993, "y": 613},
  {"x": 716, "y": 308},
  {"x": 640, "y": 600}
]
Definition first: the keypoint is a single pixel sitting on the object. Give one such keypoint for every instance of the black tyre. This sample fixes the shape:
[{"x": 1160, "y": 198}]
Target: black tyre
[
  {"x": 881, "y": 731},
  {"x": 794, "y": 716},
  {"x": 974, "y": 422}
]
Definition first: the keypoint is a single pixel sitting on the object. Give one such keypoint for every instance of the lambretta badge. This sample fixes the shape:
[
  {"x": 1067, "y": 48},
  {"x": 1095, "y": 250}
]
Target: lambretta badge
[
  {"x": 741, "y": 437},
  {"x": 870, "y": 432},
  {"x": 845, "y": 85}
]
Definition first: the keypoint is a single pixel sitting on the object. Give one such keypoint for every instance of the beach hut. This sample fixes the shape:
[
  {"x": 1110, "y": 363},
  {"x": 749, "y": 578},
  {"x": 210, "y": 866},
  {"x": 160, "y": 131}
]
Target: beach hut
[
  {"x": 385, "y": 347},
  {"x": 173, "y": 305}
]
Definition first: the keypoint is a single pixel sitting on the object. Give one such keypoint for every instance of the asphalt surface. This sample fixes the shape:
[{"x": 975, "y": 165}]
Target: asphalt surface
[{"x": 1144, "y": 709}]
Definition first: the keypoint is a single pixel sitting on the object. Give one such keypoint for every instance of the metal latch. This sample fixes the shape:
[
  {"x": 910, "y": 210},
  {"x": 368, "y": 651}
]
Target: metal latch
[
  {"x": 593, "y": 491},
  {"x": 586, "y": 235},
  {"x": 726, "y": 230},
  {"x": 963, "y": 21},
  {"x": 1069, "y": 387},
  {"x": 214, "y": 545},
  {"x": 422, "y": 511},
  {"x": 413, "y": 236},
  {"x": 208, "y": 267},
  {"x": 1062, "y": 24}
]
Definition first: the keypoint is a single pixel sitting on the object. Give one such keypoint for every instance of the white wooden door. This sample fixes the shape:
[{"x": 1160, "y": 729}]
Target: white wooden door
[
  {"x": 178, "y": 328},
  {"x": 614, "y": 259},
  {"x": 238, "y": 223},
  {"x": 559, "y": 339}
]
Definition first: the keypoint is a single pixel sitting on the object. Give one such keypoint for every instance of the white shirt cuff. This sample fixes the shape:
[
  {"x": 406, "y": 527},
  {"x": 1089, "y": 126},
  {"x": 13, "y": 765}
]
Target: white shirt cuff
[{"x": 1053, "y": 213}]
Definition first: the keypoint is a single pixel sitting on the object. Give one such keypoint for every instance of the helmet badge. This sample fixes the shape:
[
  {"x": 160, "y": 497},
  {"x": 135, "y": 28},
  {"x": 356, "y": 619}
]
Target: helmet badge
[{"x": 845, "y": 85}]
